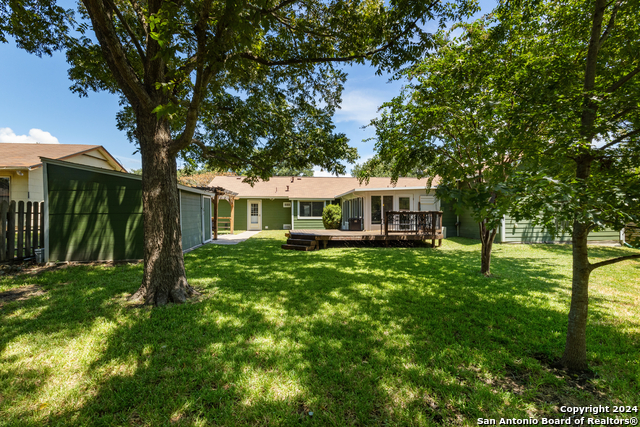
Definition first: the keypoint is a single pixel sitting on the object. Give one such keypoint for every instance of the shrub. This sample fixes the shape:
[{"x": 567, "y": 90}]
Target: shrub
[{"x": 332, "y": 217}]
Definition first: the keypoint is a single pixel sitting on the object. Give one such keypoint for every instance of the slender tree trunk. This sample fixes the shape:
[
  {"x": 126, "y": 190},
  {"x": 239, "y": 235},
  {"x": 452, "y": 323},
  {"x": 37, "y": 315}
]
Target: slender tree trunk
[
  {"x": 164, "y": 278},
  {"x": 575, "y": 351},
  {"x": 486, "y": 237}
]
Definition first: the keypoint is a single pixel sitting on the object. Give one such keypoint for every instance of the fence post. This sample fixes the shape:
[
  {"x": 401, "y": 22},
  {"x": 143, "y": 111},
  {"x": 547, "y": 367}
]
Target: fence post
[
  {"x": 20, "y": 230},
  {"x": 4, "y": 211},
  {"x": 27, "y": 231},
  {"x": 11, "y": 231},
  {"x": 42, "y": 220},
  {"x": 34, "y": 245}
]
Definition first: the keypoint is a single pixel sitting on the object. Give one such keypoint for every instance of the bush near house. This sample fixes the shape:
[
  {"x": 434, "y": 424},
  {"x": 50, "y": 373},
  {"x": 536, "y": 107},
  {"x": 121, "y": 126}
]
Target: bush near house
[{"x": 332, "y": 217}]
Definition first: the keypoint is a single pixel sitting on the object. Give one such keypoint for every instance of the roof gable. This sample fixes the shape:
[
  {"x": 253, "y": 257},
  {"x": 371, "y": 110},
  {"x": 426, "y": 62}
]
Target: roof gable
[{"x": 19, "y": 155}]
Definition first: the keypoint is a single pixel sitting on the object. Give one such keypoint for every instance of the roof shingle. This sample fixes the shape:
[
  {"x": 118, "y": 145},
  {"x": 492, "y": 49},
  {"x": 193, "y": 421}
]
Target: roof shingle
[{"x": 310, "y": 187}]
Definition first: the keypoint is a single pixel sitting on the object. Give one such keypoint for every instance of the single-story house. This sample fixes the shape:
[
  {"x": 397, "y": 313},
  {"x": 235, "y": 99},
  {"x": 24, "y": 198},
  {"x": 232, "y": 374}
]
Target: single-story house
[
  {"x": 294, "y": 203},
  {"x": 21, "y": 169}
]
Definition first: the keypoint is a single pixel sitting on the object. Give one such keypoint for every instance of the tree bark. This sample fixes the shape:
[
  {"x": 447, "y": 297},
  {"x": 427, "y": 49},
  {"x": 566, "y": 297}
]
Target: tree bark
[
  {"x": 164, "y": 279},
  {"x": 575, "y": 350},
  {"x": 486, "y": 237}
]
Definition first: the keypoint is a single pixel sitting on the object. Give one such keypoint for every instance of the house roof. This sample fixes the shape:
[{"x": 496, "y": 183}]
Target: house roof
[
  {"x": 312, "y": 187},
  {"x": 20, "y": 155}
]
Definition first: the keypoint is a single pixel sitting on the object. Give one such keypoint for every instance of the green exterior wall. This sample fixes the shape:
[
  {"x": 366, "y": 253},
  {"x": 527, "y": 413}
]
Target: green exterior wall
[
  {"x": 523, "y": 231},
  {"x": 93, "y": 216},
  {"x": 191, "y": 219},
  {"x": 306, "y": 224},
  {"x": 449, "y": 219},
  {"x": 469, "y": 227},
  {"x": 274, "y": 216}
]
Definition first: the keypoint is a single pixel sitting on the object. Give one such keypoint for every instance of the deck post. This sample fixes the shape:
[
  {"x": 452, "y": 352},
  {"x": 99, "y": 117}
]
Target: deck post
[
  {"x": 232, "y": 201},
  {"x": 386, "y": 223},
  {"x": 215, "y": 216}
]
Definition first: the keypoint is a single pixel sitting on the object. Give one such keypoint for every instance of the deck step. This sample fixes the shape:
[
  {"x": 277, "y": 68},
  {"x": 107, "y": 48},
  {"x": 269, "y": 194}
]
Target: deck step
[
  {"x": 302, "y": 236},
  {"x": 302, "y": 242},
  {"x": 299, "y": 247}
]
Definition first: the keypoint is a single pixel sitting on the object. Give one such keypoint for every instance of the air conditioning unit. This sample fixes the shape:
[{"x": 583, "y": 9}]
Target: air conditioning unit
[
  {"x": 444, "y": 232},
  {"x": 286, "y": 226},
  {"x": 286, "y": 204}
]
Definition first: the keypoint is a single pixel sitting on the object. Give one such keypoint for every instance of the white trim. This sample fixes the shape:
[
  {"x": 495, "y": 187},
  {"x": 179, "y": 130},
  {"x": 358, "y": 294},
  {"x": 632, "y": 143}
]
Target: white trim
[
  {"x": 180, "y": 212},
  {"x": 293, "y": 223},
  {"x": 358, "y": 190},
  {"x": 115, "y": 173},
  {"x": 210, "y": 220},
  {"x": 324, "y": 205},
  {"x": 45, "y": 189},
  {"x": 259, "y": 201}
]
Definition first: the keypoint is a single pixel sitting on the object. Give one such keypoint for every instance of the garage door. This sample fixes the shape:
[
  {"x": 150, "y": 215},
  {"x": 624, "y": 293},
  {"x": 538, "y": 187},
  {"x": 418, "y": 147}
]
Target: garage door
[{"x": 191, "y": 218}]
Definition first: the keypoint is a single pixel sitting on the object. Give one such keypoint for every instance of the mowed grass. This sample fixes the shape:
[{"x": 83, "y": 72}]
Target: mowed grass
[{"x": 343, "y": 336}]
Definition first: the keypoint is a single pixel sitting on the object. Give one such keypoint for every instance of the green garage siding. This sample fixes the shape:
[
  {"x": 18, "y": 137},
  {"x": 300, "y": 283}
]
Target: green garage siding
[
  {"x": 274, "y": 215},
  {"x": 191, "y": 220},
  {"x": 93, "y": 216}
]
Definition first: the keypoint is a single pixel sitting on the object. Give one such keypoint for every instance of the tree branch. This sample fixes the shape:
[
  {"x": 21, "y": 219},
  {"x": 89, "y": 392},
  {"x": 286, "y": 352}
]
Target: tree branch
[
  {"x": 610, "y": 24},
  {"x": 115, "y": 56},
  {"x": 624, "y": 80},
  {"x": 620, "y": 139},
  {"x": 126, "y": 26},
  {"x": 613, "y": 261},
  {"x": 249, "y": 55}
]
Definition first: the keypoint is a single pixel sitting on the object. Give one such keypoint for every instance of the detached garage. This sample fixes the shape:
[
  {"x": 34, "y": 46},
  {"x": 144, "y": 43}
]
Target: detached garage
[{"x": 94, "y": 214}]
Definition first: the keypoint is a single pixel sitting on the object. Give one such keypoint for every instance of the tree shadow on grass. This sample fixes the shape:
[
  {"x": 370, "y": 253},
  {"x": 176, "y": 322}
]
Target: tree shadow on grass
[{"x": 399, "y": 336}]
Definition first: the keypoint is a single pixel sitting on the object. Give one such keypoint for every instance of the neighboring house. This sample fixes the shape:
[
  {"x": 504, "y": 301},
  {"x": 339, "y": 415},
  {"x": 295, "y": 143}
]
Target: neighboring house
[
  {"x": 297, "y": 202},
  {"x": 21, "y": 169}
]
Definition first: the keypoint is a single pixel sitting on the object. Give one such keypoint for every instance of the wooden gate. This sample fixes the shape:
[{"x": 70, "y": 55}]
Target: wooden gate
[{"x": 21, "y": 229}]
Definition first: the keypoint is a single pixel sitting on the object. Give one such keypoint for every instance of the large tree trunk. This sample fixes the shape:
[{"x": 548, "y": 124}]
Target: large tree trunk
[
  {"x": 486, "y": 237},
  {"x": 164, "y": 278},
  {"x": 575, "y": 351}
]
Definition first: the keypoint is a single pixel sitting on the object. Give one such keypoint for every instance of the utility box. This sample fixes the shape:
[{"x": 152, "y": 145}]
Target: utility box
[{"x": 355, "y": 224}]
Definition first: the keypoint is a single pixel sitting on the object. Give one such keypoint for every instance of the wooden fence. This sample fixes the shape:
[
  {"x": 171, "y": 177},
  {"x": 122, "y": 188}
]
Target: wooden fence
[{"x": 21, "y": 230}]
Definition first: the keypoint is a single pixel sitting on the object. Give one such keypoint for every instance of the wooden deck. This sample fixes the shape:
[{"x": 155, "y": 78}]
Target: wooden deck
[{"x": 308, "y": 240}]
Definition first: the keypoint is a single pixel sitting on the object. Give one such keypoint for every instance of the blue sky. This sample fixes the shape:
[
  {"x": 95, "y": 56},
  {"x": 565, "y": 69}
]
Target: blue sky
[{"x": 36, "y": 104}]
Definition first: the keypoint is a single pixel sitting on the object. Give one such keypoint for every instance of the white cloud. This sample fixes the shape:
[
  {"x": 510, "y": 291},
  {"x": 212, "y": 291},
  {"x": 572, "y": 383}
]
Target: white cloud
[
  {"x": 359, "y": 106},
  {"x": 35, "y": 135}
]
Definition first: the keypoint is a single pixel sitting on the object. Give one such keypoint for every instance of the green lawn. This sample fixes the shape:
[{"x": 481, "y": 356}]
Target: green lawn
[{"x": 357, "y": 336}]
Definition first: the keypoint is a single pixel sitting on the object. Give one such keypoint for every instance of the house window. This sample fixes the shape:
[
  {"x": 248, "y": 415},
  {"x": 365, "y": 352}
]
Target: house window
[
  {"x": 404, "y": 203},
  {"x": 4, "y": 188},
  {"x": 310, "y": 209}
]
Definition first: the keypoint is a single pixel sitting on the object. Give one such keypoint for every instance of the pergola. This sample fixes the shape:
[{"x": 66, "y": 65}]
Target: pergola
[{"x": 221, "y": 193}]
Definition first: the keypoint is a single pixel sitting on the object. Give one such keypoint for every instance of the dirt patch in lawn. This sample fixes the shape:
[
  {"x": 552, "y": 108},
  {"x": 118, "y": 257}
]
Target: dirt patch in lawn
[{"x": 20, "y": 294}]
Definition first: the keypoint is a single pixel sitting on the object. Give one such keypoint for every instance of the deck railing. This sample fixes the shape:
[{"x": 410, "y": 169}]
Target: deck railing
[{"x": 419, "y": 222}]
